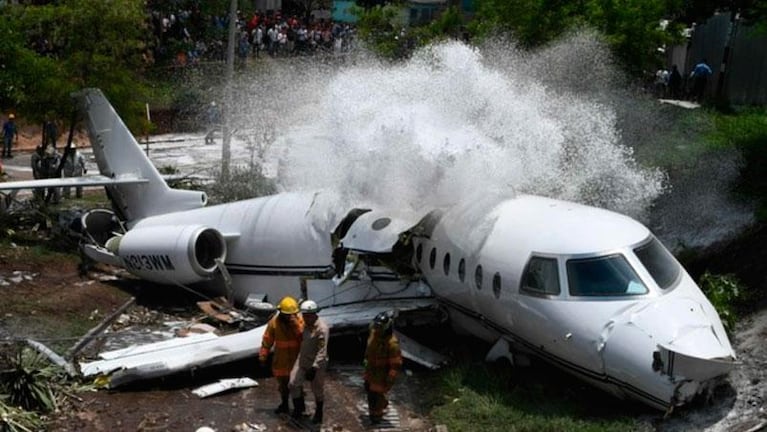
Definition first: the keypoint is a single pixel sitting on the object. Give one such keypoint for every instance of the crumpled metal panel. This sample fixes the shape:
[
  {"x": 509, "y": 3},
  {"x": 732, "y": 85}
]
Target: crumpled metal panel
[{"x": 377, "y": 231}]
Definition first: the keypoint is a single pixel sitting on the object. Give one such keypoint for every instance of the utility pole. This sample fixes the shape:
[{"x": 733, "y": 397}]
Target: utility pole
[
  {"x": 726, "y": 55},
  {"x": 226, "y": 154}
]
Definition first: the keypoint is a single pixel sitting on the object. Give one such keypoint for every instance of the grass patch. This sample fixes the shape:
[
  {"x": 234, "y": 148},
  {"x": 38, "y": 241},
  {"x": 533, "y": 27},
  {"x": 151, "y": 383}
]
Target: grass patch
[
  {"x": 485, "y": 397},
  {"x": 747, "y": 131}
]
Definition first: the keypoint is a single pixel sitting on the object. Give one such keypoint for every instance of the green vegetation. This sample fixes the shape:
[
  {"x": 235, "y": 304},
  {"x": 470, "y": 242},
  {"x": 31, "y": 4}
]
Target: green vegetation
[
  {"x": 747, "y": 132},
  {"x": 242, "y": 183},
  {"x": 726, "y": 294},
  {"x": 485, "y": 397},
  {"x": 14, "y": 419},
  {"x": 382, "y": 29},
  {"x": 25, "y": 379},
  {"x": 27, "y": 388},
  {"x": 50, "y": 50},
  {"x": 631, "y": 28}
]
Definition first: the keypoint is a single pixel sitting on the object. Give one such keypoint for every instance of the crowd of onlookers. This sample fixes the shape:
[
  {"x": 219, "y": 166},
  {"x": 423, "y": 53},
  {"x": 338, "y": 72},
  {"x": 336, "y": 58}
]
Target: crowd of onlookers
[{"x": 187, "y": 37}]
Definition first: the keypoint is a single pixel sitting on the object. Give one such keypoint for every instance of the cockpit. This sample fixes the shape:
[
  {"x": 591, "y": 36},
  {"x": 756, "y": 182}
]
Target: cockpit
[{"x": 616, "y": 274}]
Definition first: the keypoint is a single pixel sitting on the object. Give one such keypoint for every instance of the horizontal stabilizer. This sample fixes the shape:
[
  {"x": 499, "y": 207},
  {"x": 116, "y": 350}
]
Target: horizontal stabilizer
[
  {"x": 96, "y": 180},
  {"x": 102, "y": 255}
]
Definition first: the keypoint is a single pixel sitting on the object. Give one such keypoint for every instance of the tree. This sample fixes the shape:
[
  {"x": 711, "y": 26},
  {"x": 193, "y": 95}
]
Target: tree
[
  {"x": 631, "y": 27},
  {"x": 50, "y": 50}
]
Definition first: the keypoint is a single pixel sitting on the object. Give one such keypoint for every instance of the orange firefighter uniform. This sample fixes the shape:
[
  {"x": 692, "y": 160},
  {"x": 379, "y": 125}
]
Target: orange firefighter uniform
[
  {"x": 283, "y": 333},
  {"x": 383, "y": 360}
]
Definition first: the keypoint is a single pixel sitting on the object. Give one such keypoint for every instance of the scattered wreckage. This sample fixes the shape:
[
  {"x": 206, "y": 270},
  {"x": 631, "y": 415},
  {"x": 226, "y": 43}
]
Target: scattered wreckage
[{"x": 192, "y": 350}]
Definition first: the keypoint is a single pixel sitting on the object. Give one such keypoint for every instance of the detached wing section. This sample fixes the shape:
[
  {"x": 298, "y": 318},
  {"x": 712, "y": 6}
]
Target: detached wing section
[
  {"x": 181, "y": 354},
  {"x": 96, "y": 180}
]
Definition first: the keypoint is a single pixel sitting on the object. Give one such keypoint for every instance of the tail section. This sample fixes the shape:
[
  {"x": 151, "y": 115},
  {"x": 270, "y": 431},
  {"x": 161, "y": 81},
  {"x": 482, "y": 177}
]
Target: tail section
[{"x": 119, "y": 155}]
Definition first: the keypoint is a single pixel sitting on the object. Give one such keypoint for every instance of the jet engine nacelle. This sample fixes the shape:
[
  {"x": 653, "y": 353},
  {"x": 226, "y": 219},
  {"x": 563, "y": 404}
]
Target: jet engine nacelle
[{"x": 170, "y": 254}]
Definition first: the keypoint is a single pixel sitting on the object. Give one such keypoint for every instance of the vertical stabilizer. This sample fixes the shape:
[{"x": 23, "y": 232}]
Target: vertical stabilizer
[{"x": 119, "y": 155}]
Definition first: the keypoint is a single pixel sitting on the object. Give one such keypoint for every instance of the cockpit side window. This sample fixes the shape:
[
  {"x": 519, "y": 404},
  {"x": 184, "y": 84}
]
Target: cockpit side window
[
  {"x": 610, "y": 275},
  {"x": 541, "y": 277},
  {"x": 659, "y": 263}
]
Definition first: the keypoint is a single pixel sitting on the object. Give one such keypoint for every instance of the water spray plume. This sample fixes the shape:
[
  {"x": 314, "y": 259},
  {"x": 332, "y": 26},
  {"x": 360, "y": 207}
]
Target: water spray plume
[{"x": 455, "y": 122}]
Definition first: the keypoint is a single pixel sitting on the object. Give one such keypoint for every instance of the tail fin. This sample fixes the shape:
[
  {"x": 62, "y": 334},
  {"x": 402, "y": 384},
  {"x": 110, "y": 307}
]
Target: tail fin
[{"x": 118, "y": 154}]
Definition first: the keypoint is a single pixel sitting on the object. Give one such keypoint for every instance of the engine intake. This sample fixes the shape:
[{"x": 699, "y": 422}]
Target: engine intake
[{"x": 170, "y": 254}]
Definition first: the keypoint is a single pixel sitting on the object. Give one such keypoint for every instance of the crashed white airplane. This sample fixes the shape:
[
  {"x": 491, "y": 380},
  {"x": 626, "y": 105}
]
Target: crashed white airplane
[{"x": 588, "y": 290}]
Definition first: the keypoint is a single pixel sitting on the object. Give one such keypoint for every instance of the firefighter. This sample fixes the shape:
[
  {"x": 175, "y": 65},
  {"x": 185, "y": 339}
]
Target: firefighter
[
  {"x": 283, "y": 333},
  {"x": 383, "y": 360},
  {"x": 312, "y": 362}
]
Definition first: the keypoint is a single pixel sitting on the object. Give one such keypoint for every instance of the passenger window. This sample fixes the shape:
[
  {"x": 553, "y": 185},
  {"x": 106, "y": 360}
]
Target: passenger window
[
  {"x": 446, "y": 264},
  {"x": 419, "y": 253},
  {"x": 497, "y": 285},
  {"x": 541, "y": 277},
  {"x": 462, "y": 270},
  {"x": 433, "y": 258},
  {"x": 609, "y": 275},
  {"x": 478, "y": 277}
]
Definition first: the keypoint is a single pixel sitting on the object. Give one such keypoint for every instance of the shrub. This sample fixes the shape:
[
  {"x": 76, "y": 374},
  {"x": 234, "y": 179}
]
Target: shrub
[
  {"x": 724, "y": 292},
  {"x": 244, "y": 182},
  {"x": 26, "y": 378}
]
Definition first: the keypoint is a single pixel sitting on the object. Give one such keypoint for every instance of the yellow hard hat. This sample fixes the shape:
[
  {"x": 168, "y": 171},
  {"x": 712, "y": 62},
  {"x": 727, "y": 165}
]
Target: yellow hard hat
[{"x": 288, "y": 305}]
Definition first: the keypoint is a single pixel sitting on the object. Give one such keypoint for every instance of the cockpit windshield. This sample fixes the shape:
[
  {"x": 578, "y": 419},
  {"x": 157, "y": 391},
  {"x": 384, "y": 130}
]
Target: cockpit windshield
[
  {"x": 659, "y": 263},
  {"x": 609, "y": 275}
]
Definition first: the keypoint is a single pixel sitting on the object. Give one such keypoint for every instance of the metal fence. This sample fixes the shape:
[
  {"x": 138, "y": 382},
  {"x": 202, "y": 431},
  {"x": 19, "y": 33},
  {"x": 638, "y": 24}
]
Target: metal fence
[{"x": 725, "y": 41}]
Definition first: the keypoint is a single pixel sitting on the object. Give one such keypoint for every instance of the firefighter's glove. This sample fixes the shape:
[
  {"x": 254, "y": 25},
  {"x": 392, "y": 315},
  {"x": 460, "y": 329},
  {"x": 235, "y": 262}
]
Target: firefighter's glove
[
  {"x": 310, "y": 374},
  {"x": 262, "y": 360}
]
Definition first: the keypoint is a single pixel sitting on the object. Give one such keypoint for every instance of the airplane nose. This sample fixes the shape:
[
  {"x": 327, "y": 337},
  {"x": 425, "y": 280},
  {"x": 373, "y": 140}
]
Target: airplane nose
[
  {"x": 691, "y": 341},
  {"x": 672, "y": 339},
  {"x": 685, "y": 325}
]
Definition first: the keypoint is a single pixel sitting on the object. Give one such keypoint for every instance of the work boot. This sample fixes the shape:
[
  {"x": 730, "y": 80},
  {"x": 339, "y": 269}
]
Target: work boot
[
  {"x": 317, "y": 418},
  {"x": 298, "y": 407},
  {"x": 283, "y": 408}
]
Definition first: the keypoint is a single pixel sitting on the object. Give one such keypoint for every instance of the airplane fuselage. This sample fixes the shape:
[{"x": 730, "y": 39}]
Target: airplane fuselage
[
  {"x": 588, "y": 290},
  {"x": 591, "y": 291}
]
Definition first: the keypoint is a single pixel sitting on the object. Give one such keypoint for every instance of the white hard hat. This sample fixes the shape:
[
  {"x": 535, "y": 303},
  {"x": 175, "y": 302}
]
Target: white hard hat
[
  {"x": 205, "y": 429},
  {"x": 309, "y": 306}
]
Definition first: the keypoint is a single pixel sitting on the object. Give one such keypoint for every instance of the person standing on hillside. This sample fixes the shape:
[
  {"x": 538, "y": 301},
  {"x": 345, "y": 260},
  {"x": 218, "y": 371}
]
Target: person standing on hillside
[
  {"x": 50, "y": 169},
  {"x": 213, "y": 118},
  {"x": 50, "y": 132},
  {"x": 675, "y": 82},
  {"x": 36, "y": 161},
  {"x": 74, "y": 166},
  {"x": 700, "y": 75},
  {"x": 10, "y": 132}
]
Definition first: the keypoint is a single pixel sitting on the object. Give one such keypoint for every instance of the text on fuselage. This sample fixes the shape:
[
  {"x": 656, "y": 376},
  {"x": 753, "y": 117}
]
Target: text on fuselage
[{"x": 148, "y": 262}]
